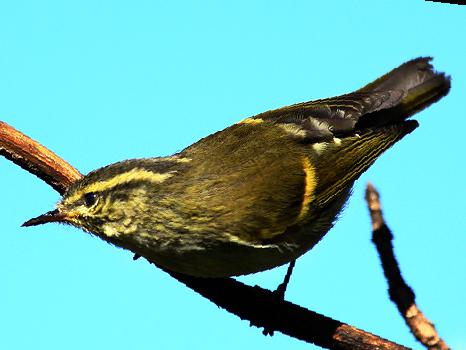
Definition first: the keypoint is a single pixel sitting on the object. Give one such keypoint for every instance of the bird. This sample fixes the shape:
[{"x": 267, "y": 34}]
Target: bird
[{"x": 258, "y": 194}]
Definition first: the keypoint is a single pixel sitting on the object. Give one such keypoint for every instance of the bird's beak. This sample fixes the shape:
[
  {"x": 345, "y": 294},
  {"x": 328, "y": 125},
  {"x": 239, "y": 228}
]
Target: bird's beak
[{"x": 51, "y": 216}]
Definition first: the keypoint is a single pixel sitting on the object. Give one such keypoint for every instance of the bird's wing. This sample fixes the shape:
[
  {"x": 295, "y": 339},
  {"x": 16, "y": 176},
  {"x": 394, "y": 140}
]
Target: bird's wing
[{"x": 390, "y": 99}]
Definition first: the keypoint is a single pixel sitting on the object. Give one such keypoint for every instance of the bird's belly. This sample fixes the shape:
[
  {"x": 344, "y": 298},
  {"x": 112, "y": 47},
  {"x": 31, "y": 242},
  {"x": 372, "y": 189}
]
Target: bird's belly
[
  {"x": 220, "y": 258},
  {"x": 212, "y": 256},
  {"x": 223, "y": 259}
]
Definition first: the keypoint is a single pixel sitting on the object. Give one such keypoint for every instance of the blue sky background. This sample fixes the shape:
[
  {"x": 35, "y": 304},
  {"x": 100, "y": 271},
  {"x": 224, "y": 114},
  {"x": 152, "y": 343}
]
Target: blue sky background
[{"x": 102, "y": 81}]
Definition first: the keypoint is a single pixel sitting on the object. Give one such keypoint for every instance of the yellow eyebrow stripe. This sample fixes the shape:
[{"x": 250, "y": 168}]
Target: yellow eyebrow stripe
[
  {"x": 309, "y": 187},
  {"x": 251, "y": 121},
  {"x": 132, "y": 175}
]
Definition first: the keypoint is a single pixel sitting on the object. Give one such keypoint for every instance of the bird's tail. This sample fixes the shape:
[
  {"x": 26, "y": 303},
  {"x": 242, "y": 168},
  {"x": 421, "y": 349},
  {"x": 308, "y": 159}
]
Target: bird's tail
[{"x": 420, "y": 84}]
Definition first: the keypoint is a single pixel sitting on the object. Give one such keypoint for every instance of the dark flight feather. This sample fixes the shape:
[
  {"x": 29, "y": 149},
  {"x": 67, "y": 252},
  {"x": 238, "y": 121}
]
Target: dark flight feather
[{"x": 388, "y": 100}]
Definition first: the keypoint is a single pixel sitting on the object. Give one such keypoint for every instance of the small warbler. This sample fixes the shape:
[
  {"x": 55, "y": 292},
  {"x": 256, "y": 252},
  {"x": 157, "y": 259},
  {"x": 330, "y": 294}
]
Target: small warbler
[{"x": 257, "y": 194}]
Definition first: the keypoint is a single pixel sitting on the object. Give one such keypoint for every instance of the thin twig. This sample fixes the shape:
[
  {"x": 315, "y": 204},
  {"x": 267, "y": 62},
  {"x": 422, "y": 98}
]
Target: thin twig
[
  {"x": 400, "y": 293},
  {"x": 252, "y": 303}
]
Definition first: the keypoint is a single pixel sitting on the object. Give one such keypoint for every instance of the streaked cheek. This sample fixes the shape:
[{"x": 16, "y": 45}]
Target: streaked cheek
[{"x": 139, "y": 200}]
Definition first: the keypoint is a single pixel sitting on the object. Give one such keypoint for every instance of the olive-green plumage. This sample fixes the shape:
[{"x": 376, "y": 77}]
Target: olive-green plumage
[{"x": 259, "y": 193}]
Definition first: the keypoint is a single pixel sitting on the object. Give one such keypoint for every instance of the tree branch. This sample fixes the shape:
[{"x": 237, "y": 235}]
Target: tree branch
[
  {"x": 260, "y": 306},
  {"x": 36, "y": 159},
  {"x": 400, "y": 293}
]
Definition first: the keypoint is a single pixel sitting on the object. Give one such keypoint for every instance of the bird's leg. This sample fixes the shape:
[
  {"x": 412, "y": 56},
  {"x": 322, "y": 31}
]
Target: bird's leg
[
  {"x": 281, "y": 289},
  {"x": 280, "y": 292}
]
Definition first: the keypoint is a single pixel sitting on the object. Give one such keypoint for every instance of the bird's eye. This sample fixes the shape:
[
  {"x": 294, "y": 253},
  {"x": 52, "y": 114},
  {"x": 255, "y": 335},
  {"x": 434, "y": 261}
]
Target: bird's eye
[{"x": 90, "y": 198}]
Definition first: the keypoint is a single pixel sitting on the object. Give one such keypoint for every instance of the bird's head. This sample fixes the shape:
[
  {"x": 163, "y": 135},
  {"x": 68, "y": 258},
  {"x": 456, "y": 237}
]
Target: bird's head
[{"x": 111, "y": 200}]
